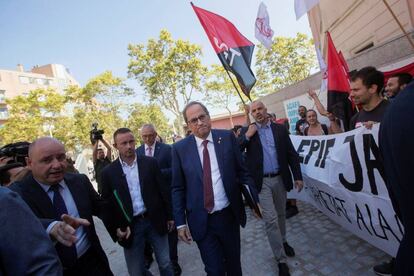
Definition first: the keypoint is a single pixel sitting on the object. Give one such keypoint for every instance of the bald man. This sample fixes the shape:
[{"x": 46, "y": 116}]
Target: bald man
[
  {"x": 271, "y": 158},
  {"x": 65, "y": 204}
]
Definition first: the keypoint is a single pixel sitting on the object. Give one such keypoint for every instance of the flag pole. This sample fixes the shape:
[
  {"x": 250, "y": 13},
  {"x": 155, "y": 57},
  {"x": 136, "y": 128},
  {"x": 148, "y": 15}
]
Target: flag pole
[
  {"x": 228, "y": 74},
  {"x": 399, "y": 23}
]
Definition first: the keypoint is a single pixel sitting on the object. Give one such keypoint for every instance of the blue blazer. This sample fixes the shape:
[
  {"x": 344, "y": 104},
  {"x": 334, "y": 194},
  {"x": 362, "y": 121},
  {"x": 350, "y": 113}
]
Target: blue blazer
[
  {"x": 187, "y": 181},
  {"x": 162, "y": 153}
]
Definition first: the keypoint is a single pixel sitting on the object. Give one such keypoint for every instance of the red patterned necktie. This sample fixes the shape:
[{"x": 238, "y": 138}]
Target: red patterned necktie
[{"x": 207, "y": 182}]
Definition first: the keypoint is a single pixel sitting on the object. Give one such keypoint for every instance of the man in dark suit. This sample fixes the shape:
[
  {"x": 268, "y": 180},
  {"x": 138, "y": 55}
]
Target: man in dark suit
[
  {"x": 141, "y": 202},
  {"x": 161, "y": 152},
  {"x": 25, "y": 248},
  {"x": 65, "y": 204},
  {"x": 270, "y": 157},
  {"x": 396, "y": 145},
  {"x": 207, "y": 175}
]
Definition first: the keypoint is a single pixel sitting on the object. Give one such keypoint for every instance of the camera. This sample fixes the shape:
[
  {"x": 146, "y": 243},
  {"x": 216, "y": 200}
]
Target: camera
[
  {"x": 95, "y": 133},
  {"x": 18, "y": 151}
]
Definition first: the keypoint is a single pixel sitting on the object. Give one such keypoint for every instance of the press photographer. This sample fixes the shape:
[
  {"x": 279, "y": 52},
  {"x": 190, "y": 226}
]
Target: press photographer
[
  {"x": 12, "y": 161},
  {"x": 100, "y": 160}
]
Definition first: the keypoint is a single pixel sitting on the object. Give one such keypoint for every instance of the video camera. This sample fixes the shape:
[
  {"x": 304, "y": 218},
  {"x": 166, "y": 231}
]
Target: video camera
[
  {"x": 95, "y": 133},
  {"x": 18, "y": 151}
]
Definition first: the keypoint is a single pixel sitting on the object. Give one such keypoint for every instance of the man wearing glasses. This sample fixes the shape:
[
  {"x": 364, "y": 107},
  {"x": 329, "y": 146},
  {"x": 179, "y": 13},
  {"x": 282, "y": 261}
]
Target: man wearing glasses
[{"x": 207, "y": 173}]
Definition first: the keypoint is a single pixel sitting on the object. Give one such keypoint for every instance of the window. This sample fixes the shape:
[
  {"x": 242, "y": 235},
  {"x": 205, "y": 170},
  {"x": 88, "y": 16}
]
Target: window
[
  {"x": 4, "y": 114},
  {"x": 2, "y": 96},
  {"x": 24, "y": 80}
]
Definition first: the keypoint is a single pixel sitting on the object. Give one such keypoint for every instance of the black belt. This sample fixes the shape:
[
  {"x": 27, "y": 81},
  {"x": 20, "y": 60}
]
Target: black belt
[
  {"x": 271, "y": 174},
  {"x": 141, "y": 216}
]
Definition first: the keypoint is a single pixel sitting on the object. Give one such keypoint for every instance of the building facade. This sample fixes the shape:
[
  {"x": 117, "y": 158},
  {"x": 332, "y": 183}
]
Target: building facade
[{"x": 18, "y": 82}]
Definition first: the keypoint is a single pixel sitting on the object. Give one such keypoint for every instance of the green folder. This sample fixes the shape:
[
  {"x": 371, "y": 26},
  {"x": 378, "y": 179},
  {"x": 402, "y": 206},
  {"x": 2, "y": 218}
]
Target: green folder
[{"x": 121, "y": 206}]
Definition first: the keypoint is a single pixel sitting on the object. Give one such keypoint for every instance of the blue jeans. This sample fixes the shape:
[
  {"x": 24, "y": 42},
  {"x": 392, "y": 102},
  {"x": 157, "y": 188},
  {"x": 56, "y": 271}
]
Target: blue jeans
[{"x": 134, "y": 255}]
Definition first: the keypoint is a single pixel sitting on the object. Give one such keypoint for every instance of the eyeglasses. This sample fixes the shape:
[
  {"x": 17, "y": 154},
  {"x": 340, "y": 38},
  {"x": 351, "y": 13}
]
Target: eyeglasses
[{"x": 202, "y": 119}]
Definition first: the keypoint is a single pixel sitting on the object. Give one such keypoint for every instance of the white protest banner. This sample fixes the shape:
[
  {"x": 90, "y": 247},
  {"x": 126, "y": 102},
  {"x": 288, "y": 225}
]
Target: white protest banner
[{"x": 344, "y": 179}]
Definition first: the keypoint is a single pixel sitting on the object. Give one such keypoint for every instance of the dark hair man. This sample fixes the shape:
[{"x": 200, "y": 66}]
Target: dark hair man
[
  {"x": 301, "y": 124},
  {"x": 65, "y": 204},
  {"x": 366, "y": 89},
  {"x": 270, "y": 158},
  {"x": 100, "y": 161},
  {"x": 162, "y": 153},
  {"x": 141, "y": 208},
  {"x": 207, "y": 178},
  {"x": 396, "y": 83}
]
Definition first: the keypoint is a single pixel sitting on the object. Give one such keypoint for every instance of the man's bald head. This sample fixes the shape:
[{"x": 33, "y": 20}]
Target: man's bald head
[
  {"x": 47, "y": 160},
  {"x": 42, "y": 142},
  {"x": 259, "y": 112}
]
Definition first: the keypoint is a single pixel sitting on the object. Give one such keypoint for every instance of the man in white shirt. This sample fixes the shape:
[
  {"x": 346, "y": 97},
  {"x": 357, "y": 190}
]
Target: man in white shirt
[{"x": 207, "y": 178}]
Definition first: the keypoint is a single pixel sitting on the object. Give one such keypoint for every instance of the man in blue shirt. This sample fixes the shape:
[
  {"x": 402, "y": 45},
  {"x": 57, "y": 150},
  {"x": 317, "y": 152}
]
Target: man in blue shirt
[{"x": 270, "y": 158}]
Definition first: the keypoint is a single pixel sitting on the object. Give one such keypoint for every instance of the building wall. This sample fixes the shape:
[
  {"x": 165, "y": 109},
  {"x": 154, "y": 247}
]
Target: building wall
[
  {"x": 223, "y": 122},
  {"x": 355, "y": 24},
  {"x": 17, "y": 82}
]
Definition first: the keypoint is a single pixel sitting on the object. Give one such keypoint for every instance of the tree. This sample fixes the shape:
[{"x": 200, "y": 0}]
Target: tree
[
  {"x": 168, "y": 70},
  {"x": 33, "y": 116},
  {"x": 143, "y": 114},
  {"x": 98, "y": 101},
  {"x": 289, "y": 61}
]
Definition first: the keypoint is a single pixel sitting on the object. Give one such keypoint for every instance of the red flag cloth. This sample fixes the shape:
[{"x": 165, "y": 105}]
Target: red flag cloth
[
  {"x": 405, "y": 69},
  {"x": 233, "y": 49},
  {"x": 338, "y": 85}
]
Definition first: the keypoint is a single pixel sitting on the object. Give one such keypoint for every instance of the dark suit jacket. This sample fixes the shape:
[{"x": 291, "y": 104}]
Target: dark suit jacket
[
  {"x": 162, "y": 153},
  {"x": 287, "y": 156},
  {"x": 154, "y": 190},
  {"x": 187, "y": 184},
  {"x": 25, "y": 248},
  {"x": 87, "y": 201}
]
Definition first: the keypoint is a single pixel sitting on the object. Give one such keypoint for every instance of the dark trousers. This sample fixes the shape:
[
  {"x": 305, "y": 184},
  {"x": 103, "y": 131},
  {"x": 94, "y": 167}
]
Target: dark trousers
[
  {"x": 404, "y": 265},
  {"x": 90, "y": 263},
  {"x": 220, "y": 248}
]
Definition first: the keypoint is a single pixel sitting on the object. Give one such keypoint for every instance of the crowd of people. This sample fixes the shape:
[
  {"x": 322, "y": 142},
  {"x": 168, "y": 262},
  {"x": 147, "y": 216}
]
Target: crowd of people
[{"x": 153, "y": 195}]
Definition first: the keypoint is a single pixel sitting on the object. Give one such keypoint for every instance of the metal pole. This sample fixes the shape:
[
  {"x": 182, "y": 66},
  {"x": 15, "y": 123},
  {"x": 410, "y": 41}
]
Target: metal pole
[{"x": 228, "y": 74}]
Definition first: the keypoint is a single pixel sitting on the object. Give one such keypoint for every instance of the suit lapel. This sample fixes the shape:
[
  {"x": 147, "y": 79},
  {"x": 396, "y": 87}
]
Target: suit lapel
[
  {"x": 40, "y": 198},
  {"x": 218, "y": 148},
  {"x": 141, "y": 150},
  {"x": 157, "y": 147},
  {"x": 195, "y": 157},
  {"x": 122, "y": 186},
  {"x": 277, "y": 139},
  {"x": 77, "y": 195}
]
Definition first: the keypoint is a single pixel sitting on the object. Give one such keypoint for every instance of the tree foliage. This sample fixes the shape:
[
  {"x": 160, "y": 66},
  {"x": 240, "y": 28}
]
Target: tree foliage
[
  {"x": 148, "y": 114},
  {"x": 168, "y": 70},
  {"x": 289, "y": 61}
]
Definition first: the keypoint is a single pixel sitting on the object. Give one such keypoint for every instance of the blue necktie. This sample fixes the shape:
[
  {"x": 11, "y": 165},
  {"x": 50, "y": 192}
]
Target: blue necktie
[{"x": 67, "y": 254}]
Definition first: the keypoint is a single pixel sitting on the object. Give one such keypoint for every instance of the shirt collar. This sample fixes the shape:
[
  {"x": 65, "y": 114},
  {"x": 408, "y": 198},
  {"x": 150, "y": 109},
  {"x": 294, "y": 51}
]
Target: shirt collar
[
  {"x": 152, "y": 147},
  {"x": 46, "y": 187},
  {"x": 199, "y": 141},
  {"x": 267, "y": 125},
  {"x": 125, "y": 164}
]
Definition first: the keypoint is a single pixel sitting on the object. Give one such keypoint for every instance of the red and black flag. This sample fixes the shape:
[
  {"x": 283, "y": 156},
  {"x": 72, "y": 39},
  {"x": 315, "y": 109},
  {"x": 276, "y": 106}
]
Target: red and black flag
[
  {"x": 339, "y": 102},
  {"x": 233, "y": 49}
]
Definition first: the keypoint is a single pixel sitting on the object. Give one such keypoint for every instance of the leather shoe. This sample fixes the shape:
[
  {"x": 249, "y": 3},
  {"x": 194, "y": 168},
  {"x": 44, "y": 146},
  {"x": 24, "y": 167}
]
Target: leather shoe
[
  {"x": 177, "y": 269},
  {"x": 283, "y": 269},
  {"x": 290, "y": 252}
]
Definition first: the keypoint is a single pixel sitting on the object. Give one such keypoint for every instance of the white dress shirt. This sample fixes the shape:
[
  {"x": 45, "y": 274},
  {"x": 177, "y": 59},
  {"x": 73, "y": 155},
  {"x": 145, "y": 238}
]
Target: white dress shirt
[
  {"x": 132, "y": 177},
  {"x": 220, "y": 198},
  {"x": 82, "y": 243},
  {"x": 152, "y": 150}
]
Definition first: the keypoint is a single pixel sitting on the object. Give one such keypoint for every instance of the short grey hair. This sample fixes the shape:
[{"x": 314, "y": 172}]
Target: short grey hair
[
  {"x": 150, "y": 126},
  {"x": 191, "y": 104}
]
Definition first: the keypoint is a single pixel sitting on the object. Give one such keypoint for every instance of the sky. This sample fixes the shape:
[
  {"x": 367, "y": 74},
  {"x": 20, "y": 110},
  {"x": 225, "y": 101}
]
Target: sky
[{"x": 91, "y": 36}]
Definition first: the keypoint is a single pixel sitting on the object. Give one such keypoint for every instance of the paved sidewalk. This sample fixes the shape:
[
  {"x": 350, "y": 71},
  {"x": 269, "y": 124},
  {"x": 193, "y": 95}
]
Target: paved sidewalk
[{"x": 322, "y": 248}]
